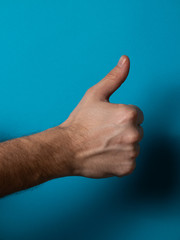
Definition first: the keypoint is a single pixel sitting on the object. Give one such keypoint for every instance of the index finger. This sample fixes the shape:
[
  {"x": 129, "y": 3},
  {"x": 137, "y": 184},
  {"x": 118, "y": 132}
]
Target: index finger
[{"x": 140, "y": 115}]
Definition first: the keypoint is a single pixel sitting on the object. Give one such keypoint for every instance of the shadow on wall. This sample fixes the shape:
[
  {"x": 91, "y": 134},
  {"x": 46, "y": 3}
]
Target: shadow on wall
[{"x": 158, "y": 177}]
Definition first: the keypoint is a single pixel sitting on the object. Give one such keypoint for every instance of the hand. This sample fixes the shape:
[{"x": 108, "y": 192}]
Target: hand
[{"x": 105, "y": 136}]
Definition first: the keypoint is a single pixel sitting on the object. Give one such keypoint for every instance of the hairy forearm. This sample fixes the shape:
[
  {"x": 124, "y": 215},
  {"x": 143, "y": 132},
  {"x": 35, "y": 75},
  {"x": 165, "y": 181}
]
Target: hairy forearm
[{"x": 34, "y": 159}]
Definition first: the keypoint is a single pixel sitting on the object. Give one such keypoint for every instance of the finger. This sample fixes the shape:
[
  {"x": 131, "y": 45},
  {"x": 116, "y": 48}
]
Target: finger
[
  {"x": 113, "y": 79},
  {"x": 140, "y": 115}
]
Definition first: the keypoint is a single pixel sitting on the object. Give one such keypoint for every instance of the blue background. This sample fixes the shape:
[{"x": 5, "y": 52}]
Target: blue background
[{"x": 50, "y": 53}]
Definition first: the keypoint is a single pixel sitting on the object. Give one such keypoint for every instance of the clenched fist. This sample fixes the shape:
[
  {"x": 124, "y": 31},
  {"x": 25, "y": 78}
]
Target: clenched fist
[{"x": 105, "y": 136}]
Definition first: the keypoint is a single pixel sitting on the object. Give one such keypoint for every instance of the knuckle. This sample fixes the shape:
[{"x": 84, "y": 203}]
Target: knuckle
[
  {"x": 134, "y": 137},
  {"x": 132, "y": 147},
  {"x": 129, "y": 168},
  {"x": 113, "y": 75},
  {"x": 133, "y": 154},
  {"x": 131, "y": 114}
]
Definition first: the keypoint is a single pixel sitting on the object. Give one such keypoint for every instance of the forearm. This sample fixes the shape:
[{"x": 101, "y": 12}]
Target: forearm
[{"x": 34, "y": 159}]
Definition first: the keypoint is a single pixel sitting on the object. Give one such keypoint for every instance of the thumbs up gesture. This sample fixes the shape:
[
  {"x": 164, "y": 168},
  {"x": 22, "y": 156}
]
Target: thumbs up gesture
[{"x": 105, "y": 136}]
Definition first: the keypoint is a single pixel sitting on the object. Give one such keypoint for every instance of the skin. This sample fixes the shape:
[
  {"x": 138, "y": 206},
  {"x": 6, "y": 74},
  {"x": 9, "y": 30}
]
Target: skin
[{"x": 98, "y": 140}]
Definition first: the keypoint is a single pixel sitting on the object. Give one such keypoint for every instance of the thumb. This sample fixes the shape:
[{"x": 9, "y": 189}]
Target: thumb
[{"x": 113, "y": 80}]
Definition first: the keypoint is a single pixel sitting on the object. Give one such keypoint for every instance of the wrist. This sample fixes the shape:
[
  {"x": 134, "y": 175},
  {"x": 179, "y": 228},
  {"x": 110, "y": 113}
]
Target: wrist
[{"x": 58, "y": 153}]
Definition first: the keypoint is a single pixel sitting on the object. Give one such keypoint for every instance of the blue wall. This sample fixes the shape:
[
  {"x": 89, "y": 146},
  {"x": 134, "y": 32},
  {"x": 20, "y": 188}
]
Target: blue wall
[{"x": 39, "y": 42}]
